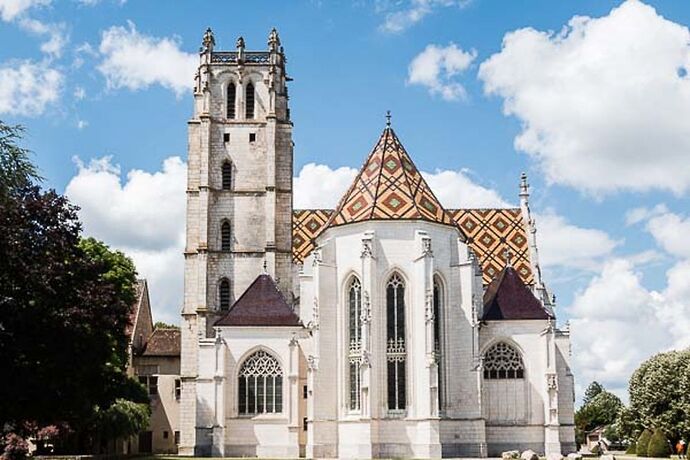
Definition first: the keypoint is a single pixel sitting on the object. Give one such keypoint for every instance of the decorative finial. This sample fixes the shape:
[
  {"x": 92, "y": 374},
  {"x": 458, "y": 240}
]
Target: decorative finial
[
  {"x": 265, "y": 267},
  {"x": 240, "y": 43},
  {"x": 388, "y": 118},
  {"x": 273, "y": 40},
  {"x": 524, "y": 186},
  {"x": 208, "y": 41},
  {"x": 508, "y": 256}
]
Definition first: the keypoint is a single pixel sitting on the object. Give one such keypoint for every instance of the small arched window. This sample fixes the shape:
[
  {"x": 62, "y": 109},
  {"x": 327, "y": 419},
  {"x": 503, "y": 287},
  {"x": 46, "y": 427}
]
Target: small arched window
[
  {"x": 225, "y": 236},
  {"x": 249, "y": 101},
  {"x": 231, "y": 101},
  {"x": 503, "y": 361},
  {"x": 260, "y": 385},
  {"x": 396, "y": 355},
  {"x": 226, "y": 173},
  {"x": 355, "y": 351},
  {"x": 224, "y": 294}
]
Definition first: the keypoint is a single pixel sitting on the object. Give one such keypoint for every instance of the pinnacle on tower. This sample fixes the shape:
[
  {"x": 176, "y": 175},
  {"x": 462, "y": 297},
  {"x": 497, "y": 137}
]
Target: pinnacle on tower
[
  {"x": 273, "y": 40},
  {"x": 208, "y": 41}
]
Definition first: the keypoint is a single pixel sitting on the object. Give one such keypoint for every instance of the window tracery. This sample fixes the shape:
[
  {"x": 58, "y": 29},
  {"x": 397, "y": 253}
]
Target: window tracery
[
  {"x": 355, "y": 349},
  {"x": 503, "y": 361},
  {"x": 396, "y": 354},
  {"x": 260, "y": 385}
]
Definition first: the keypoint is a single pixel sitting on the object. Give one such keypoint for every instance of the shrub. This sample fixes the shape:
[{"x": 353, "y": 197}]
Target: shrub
[
  {"x": 632, "y": 448},
  {"x": 16, "y": 448},
  {"x": 658, "y": 445},
  {"x": 643, "y": 443}
]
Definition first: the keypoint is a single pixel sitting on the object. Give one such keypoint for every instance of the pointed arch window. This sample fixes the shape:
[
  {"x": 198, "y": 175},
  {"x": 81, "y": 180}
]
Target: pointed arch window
[
  {"x": 438, "y": 317},
  {"x": 225, "y": 236},
  {"x": 396, "y": 355},
  {"x": 260, "y": 385},
  {"x": 226, "y": 175},
  {"x": 503, "y": 361},
  {"x": 249, "y": 101},
  {"x": 355, "y": 350},
  {"x": 232, "y": 95},
  {"x": 224, "y": 294}
]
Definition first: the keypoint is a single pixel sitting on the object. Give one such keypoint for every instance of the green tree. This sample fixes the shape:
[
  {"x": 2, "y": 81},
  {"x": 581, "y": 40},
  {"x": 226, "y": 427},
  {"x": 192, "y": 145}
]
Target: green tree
[
  {"x": 660, "y": 395},
  {"x": 162, "y": 325},
  {"x": 658, "y": 445},
  {"x": 63, "y": 301},
  {"x": 592, "y": 390},
  {"x": 643, "y": 442},
  {"x": 601, "y": 409},
  {"x": 122, "y": 419}
]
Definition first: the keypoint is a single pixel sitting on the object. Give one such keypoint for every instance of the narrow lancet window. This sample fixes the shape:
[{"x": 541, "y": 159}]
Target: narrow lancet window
[
  {"x": 226, "y": 175},
  {"x": 355, "y": 350},
  {"x": 396, "y": 355},
  {"x": 231, "y": 101},
  {"x": 438, "y": 309},
  {"x": 249, "y": 101},
  {"x": 224, "y": 294},
  {"x": 225, "y": 236}
]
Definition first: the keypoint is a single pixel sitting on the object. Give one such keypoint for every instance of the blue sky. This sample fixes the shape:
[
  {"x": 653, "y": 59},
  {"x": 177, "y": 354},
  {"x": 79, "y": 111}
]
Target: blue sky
[{"x": 592, "y": 109}]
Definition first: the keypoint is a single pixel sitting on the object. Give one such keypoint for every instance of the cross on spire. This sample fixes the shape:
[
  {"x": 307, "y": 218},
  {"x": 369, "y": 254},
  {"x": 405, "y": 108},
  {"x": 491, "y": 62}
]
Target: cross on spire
[{"x": 388, "y": 118}]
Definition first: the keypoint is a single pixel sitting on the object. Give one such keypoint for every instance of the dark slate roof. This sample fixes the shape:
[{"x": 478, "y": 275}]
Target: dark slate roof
[
  {"x": 163, "y": 342},
  {"x": 262, "y": 304},
  {"x": 507, "y": 297}
]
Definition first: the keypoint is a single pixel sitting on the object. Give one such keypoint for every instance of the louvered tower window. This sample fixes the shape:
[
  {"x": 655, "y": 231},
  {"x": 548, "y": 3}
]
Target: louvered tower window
[
  {"x": 438, "y": 309},
  {"x": 249, "y": 101},
  {"x": 260, "y": 385},
  {"x": 226, "y": 175},
  {"x": 355, "y": 350},
  {"x": 502, "y": 361},
  {"x": 396, "y": 355},
  {"x": 231, "y": 101},
  {"x": 224, "y": 294},
  {"x": 225, "y": 236}
]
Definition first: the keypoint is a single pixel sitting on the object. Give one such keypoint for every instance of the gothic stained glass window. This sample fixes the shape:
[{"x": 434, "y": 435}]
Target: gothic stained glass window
[
  {"x": 225, "y": 236},
  {"x": 224, "y": 294},
  {"x": 395, "y": 345},
  {"x": 249, "y": 101},
  {"x": 231, "y": 101},
  {"x": 355, "y": 349},
  {"x": 438, "y": 311},
  {"x": 260, "y": 385},
  {"x": 503, "y": 361},
  {"x": 226, "y": 175}
]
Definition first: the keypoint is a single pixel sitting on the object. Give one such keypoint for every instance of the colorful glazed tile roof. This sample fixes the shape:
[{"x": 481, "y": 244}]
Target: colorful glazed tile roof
[
  {"x": 389, "y": 186},
  {"x": 489, "y": 233}
]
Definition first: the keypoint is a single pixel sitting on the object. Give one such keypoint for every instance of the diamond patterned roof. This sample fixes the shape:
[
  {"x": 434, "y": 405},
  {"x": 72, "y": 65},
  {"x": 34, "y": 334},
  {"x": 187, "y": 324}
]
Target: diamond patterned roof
[
  {"x": 389, "y": 186},
  {"x": 489, "y": 233}
]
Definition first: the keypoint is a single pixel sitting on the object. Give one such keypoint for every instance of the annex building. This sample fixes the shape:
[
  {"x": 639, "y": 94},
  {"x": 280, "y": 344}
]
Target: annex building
[{"x": 386, "y": 327}]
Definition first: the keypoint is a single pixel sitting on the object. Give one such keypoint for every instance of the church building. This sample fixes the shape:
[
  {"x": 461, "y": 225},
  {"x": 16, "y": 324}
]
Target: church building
[{"x": 389, "y": 326}]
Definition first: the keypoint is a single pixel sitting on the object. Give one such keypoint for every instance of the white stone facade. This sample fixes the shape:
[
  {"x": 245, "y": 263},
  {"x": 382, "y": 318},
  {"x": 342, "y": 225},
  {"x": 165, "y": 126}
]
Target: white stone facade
[{"x": 335, "y": 391}]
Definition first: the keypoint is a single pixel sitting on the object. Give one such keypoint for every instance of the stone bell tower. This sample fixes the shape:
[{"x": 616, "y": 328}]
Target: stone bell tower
[{"x": 239, "y": 200}]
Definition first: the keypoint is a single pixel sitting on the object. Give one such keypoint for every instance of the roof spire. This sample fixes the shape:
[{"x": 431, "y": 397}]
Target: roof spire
[{"x": 388, "y": 118}]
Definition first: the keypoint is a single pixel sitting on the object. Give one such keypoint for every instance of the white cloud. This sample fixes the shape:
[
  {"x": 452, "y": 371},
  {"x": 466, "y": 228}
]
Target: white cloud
[
  {"x": 413, "y": 12},
  {"x": 81, "y": 124},
  {"x": 617, "y": 322},
  {"x": 604, "y": 103},
  {"x": 437, "y": 68},
  {"x": 562, "y": 244},
  {"x": 134, "y": 61},
  {"x": 319, "y": 186},
  {"x": 57, "y": 37},
  {"x": 11, "y": 9},
  {"x": 27, "y": 87},
  {"x": 637, "y": 215},
  {"x": 670, "y": 231},
  {"x": 143, "y": 216},
  {"x": 455, "y": 189}
]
